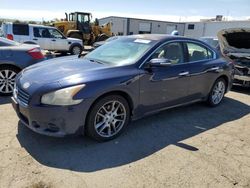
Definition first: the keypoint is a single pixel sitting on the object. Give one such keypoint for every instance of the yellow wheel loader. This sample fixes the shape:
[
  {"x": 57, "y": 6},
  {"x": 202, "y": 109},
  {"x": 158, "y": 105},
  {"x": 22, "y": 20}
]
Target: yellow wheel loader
[{"x": 78, "y": 25}]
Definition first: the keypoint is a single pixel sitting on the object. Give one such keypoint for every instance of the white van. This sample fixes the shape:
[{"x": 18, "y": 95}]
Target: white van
[{"x": 49, "y": 38}]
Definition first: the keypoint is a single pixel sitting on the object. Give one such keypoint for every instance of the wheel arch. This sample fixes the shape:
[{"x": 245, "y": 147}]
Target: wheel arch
[{"x": 10, "y": 65}]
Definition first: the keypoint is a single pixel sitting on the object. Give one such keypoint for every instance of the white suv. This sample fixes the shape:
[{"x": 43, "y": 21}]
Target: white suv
[{"x": 49, "y": 38}]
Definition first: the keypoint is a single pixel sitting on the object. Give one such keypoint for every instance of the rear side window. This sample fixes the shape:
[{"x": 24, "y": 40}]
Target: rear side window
[
  {"x": 198, "y": 53},
  {"x": 20, "y": 29}
]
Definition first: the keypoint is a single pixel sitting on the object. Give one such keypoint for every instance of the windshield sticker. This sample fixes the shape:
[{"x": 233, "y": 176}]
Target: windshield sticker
[{"x": 142, "y": 41}]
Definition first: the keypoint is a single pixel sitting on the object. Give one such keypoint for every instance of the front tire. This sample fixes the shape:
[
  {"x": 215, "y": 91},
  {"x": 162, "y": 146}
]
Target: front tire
[
  {"x": 7, "y": 79},
  {"x": 217, "y": 92},
  {"x": 108, "y": 118},
  {"x": 76, "y": 50}
]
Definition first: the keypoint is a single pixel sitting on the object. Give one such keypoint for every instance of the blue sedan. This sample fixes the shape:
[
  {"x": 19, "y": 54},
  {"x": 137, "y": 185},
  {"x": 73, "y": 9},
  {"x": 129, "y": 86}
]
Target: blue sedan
[{"x": 123, "y": 80}]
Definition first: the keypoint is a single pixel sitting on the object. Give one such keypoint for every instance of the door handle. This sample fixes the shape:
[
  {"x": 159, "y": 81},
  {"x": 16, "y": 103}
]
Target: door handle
[
  {"x": 184, "y": 73},
  {"x": 35, "y": 39},
  {"x": 53, "y": 40}
]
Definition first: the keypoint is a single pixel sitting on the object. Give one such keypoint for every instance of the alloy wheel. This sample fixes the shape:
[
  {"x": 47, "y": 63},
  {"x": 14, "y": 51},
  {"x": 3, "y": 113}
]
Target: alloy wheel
[
  {"x": 110, "y": 119},
  {"x": 218, "y": 92},
  {"x": 7, "y": 81},
  {"x": 76, "y": 50}
]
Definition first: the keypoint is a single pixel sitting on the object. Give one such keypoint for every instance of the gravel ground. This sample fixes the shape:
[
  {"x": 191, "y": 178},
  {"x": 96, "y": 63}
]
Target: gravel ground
[{"x": 192, "y": 146}]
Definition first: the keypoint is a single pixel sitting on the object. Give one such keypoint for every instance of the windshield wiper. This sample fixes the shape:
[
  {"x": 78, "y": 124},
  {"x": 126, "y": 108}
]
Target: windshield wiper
[{"x": 95, "y": 61}]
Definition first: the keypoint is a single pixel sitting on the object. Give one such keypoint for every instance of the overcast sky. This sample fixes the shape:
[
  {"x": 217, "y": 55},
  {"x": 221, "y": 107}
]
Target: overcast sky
[{"x": 175, "y": 10}]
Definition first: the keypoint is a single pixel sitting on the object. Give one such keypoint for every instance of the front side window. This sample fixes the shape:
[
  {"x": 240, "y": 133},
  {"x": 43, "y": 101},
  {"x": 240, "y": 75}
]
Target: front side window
[
  {"x": 172, "y": 52},
  {"x": 41, "y": 32},
  {"x": 198, "y": 53},
  {"x": 55, "y": 34}
]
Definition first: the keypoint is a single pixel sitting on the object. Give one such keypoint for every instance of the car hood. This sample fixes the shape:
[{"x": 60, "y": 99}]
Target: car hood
[
  {"x": 60, "y": 69},
  {"x": 235, "y": 40}
]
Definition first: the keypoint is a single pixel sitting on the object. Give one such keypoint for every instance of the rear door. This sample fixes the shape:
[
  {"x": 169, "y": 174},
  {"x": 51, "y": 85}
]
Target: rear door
[
  {"x": 21, "y": 32},
  {"x": 203, "y": 69}
]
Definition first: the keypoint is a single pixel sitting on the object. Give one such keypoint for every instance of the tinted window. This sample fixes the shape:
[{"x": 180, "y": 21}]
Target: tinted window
[
  {"x": 198, "y": 53},
  {"x": 172, "y": 52},
  {"x": 20, "y": 29}
]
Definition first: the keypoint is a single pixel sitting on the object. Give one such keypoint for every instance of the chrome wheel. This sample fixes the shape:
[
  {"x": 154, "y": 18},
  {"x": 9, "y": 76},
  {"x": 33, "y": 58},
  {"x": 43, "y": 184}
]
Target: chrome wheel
[
  {"x": 7, "y": 81},
  {"x": 110, "y": 119},
  {"x": 218, "y": 92},
  {"x": 76, "y": 50}
]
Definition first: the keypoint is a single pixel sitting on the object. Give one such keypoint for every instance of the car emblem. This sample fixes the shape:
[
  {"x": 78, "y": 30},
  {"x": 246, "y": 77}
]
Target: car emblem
[{"x": 26, "y": 85}]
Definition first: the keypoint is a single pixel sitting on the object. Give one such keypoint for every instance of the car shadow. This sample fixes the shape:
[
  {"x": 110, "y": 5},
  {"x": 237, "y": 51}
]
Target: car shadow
[
  {"x": 5, "y": 100},
  {"x": 241, "y": 89},
  {"x": 142, "y": 138}
]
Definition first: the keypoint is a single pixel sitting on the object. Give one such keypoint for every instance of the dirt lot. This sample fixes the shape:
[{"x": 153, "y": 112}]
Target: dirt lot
[{"x": 193, "y": 146}]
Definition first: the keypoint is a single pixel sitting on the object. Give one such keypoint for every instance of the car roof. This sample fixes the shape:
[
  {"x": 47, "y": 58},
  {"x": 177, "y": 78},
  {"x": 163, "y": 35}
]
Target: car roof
[
  {"x": 32, "y": 25},
  {"x": 162, "y": 37}
]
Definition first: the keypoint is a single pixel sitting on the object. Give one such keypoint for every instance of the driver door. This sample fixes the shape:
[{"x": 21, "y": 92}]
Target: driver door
[{"x": 164, "y": 86}]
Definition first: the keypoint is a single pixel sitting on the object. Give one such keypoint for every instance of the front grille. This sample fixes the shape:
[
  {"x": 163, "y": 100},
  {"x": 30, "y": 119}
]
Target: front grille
[{"x": 23, "y": 96}]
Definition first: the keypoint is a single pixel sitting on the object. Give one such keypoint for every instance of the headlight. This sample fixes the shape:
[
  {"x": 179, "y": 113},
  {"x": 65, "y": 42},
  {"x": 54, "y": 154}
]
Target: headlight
[{"x": 62, "y": 97}]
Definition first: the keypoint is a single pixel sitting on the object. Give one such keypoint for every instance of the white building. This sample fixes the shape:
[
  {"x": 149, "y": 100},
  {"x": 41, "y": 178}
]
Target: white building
[
  {"x": 130, "y": 26},
  {"x": 211, "y": 28}
]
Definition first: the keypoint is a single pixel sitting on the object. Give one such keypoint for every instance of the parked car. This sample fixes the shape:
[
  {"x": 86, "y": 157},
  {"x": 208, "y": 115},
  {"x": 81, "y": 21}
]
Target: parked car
[
  {"x": 49, "y": 38},
  {"x": 124, "y": 79},
  {"x": 235, "y": 44},
  {"x": 13, "y": 58},
  {"x": 212, "y": 41}
]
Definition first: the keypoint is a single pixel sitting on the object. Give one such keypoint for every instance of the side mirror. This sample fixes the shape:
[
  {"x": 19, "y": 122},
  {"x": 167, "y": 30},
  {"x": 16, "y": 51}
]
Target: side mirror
[{"x": 160, "y": 62}]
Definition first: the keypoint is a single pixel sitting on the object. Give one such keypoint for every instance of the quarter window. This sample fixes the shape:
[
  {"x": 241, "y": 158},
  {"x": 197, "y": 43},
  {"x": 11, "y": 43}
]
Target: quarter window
[
  {"x": 172, "y": 52},
  {"x": 198, "y": 53}
]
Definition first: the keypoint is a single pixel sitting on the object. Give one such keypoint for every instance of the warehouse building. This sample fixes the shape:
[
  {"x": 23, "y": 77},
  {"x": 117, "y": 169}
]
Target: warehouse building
[
  {"x": 130, "y": 26},
  {"x": 204, "y": 28},
  {"x": 211, "y": 28}
]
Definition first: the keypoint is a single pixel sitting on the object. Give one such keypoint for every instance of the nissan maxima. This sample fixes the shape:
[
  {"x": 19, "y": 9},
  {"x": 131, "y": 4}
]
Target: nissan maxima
[{"x": 123, "y": 80}]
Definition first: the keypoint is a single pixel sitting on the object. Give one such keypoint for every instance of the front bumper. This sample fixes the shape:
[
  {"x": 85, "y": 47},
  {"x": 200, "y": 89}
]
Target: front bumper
[{"x": 57, "y": 121}]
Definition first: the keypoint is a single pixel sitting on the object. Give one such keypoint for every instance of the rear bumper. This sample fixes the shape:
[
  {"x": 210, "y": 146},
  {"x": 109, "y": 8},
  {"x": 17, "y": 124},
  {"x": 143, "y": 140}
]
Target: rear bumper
[{"x": 57, "y": 121}]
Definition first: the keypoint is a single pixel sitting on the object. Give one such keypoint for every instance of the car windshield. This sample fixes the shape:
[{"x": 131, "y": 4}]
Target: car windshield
[
  {"x": 8, "y": 42},
  {"x": 121, "y": 51}
]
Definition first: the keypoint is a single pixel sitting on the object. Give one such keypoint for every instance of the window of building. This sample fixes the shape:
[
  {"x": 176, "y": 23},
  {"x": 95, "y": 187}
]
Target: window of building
[{"x": 191, "y": 26}]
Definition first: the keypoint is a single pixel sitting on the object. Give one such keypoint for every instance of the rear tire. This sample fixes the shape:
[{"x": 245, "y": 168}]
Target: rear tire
[
  {"x": 7, "y": 79},
  {"x": 108, "y": 118},
  {"x": 217, "y": 92}
]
